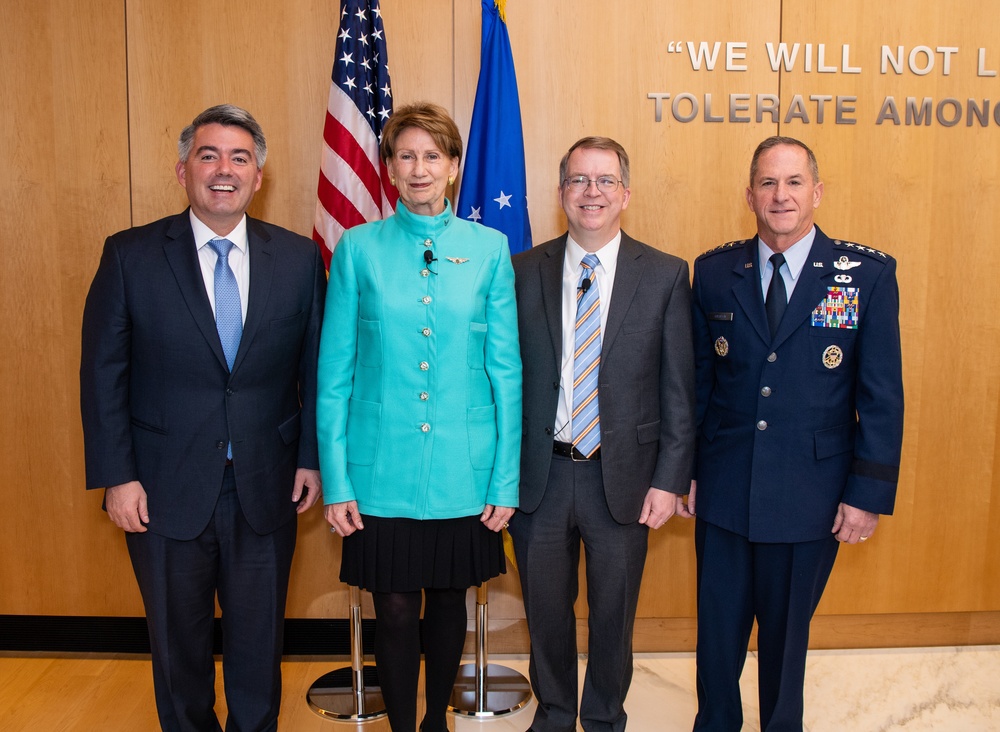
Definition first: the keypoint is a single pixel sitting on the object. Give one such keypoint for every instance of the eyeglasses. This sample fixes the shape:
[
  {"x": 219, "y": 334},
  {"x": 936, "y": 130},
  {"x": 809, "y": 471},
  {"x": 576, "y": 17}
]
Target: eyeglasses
[{"x": 580, "y": 183}]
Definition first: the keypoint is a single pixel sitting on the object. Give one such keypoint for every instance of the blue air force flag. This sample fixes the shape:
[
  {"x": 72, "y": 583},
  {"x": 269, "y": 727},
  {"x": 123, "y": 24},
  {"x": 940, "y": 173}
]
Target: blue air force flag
[{"x": 493, "y": 190}]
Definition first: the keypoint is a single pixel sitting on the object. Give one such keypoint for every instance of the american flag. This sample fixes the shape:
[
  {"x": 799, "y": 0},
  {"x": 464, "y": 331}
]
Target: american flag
[{"x": 353, "y": 182}]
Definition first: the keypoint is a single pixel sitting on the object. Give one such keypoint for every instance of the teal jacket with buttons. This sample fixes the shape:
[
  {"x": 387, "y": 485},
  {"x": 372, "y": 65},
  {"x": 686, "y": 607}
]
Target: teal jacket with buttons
[{"x": 419, "y": 402}]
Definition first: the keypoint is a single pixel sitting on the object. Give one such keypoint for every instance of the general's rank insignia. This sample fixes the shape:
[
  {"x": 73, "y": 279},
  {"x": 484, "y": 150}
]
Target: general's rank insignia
[
  {"x": 833, "y": 356},
  {"x": 721, "y": 346},
  {"x": 839, "y": 309}
]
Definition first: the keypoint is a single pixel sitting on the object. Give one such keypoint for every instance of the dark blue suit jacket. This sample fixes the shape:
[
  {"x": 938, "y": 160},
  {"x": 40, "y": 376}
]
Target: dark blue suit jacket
[
  {"x": 791, "y": 427},
  {"x": 158, "y": 401}
]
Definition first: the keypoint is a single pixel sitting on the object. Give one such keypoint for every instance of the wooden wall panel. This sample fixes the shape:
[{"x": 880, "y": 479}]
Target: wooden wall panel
[
  {"x": 926, "y": 195},
  {"x": 65, "y": 185},
  {"x": 91, "y": 132}
]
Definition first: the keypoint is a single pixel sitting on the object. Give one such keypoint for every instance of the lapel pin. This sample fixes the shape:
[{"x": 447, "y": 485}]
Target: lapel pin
[{"x": 457, "y": 260}]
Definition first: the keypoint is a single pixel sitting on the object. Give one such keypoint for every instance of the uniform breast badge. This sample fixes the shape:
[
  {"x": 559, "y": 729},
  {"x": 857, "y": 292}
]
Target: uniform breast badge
[
  {"x": 845, "y": 264},
  {"x": 721, "y": 347},
  {"x": 839, "y": 309},
  {"x": 833, "y": 356},
  {"x": 457, "y": 260}
]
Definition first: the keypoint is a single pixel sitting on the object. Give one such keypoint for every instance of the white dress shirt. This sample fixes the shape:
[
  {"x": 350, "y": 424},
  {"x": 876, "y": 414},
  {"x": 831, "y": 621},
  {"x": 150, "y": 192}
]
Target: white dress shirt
[
  {"x": 605, "y": 276},
  {"x": 239, "y": 258}
]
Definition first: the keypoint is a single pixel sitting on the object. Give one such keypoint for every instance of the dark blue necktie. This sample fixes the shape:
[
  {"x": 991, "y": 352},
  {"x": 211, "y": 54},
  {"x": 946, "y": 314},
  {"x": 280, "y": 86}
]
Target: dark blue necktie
[{"x": 777, "y": 298}]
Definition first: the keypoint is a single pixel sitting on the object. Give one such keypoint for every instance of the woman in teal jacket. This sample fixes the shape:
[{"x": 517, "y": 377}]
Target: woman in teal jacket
[{"x": 419, "y": 412}]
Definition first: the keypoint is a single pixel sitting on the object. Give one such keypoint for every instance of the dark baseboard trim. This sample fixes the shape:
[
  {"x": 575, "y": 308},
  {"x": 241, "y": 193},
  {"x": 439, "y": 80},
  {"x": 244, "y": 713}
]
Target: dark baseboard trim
[
  {"x": 89, "y": 634},
  {"x": 320, "y": 637}
]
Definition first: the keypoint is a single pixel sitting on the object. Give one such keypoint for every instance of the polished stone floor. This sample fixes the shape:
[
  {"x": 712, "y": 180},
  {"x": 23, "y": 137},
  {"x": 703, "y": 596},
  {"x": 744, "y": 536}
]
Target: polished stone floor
[{"x": 912, "y": 689}]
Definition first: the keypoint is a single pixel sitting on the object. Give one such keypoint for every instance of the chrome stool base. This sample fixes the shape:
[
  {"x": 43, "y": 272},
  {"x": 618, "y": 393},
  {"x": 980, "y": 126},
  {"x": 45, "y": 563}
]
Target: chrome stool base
[
  {"x": 483, "y": 689},
  {"x": 351, "y": 693}
]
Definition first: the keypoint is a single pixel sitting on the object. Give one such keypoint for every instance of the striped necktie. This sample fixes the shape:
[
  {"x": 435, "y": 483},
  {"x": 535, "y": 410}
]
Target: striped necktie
[{"x": 586, "y": 360}]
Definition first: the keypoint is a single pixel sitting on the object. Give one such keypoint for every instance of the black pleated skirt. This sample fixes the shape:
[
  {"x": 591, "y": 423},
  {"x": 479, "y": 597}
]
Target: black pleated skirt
[{"x": 405, "y": 555}]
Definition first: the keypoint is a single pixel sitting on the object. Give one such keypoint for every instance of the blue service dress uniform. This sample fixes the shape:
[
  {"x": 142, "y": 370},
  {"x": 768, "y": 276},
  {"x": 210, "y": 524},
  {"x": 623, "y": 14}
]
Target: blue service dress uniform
[{"x": 789, "y": 428}]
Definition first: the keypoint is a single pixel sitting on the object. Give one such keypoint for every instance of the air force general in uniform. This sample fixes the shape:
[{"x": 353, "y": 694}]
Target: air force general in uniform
[{"x": 800, "y": 410}]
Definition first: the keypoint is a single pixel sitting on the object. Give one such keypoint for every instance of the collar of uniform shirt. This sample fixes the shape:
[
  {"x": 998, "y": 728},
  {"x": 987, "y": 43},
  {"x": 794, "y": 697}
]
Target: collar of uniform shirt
[{"x": 795, "y": 259}]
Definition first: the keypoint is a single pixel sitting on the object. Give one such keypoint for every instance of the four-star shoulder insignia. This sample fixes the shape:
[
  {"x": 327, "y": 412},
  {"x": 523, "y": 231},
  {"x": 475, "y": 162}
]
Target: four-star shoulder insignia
[
  {"x": 727, "y": 245},
  {"x": 860, "y": 248}
]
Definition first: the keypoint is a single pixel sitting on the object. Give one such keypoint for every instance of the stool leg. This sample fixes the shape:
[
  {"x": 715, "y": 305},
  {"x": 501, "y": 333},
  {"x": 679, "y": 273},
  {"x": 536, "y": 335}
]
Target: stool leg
[
  {"x": 350, "y": 693},
  {"x": 484, "y": 689}
]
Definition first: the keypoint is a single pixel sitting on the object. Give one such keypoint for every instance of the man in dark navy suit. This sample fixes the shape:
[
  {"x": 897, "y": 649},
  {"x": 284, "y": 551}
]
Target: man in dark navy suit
[
  {"x": 800, "y": 413},
  {"x": 197, "y": 389}
]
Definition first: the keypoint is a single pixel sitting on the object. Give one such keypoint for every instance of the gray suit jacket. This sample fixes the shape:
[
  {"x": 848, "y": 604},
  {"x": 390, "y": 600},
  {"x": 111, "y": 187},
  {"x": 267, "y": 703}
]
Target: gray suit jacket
[{"x": 646, "y": 381}]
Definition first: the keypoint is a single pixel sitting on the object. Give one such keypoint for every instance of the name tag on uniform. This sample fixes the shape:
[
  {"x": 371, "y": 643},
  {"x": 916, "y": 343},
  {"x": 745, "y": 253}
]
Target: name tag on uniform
[
  {"x": 725, "y": 317},
  {"x": 839, "y": 309}
]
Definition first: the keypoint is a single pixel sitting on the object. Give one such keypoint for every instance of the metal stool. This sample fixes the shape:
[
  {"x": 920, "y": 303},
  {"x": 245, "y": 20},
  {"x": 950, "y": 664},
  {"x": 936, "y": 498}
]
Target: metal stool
[
  {"x": 484, "y": 689},
  {"x": 351, "y": 693}
]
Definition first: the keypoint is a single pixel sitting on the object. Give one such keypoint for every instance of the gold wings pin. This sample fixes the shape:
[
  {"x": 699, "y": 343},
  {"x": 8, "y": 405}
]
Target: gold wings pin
[{"x": 457, "y": 260}]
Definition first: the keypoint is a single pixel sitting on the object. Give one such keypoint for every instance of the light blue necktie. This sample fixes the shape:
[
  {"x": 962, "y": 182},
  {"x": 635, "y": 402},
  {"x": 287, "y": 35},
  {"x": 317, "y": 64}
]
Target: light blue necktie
[
  {"x": 587, "y": 360},
  {"x": 228, "y": 313}
]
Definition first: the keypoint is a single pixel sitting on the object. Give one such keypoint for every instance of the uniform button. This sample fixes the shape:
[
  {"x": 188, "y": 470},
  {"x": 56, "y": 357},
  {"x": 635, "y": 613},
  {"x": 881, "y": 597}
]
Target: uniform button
[
  {"x": 220, "y": 445},
  {"x": 766, "y": 391},
  {"x": 762, "y": 425},
  {"x": 426, "y": 331},
  {"x": 424, "y": 365},
  {"x": 426, "y": 299},
  {"x": 772, "y": 357},
  {"x": 424, "y": 396},
  {"x": 425, "y": 427},
  {"x": 424, "y": 272},
  {"x": 428, "y": 243}
]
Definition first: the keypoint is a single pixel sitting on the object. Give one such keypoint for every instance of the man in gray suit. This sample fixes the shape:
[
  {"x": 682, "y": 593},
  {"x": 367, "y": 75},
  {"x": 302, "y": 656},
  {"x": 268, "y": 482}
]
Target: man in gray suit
[{"x": 608, "y": 437}]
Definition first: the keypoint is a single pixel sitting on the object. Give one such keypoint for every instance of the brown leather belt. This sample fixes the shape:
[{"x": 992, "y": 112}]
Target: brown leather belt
[{"x": 566, "y": 449}]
